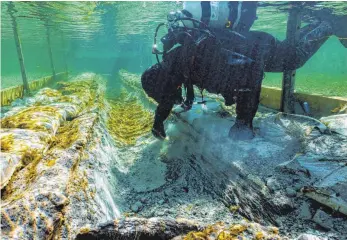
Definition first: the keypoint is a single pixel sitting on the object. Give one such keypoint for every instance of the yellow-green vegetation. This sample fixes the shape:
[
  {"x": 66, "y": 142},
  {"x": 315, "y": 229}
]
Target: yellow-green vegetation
[
  {"x": 66, "y": 135},
  {"x": 10, "y": 94},
  {"x": 50, "y": 163},
  {"x": 84, "y": 230},
  {"x": 50, "y": 92},
  {"x": 128, "y": 120},
  {"x": 35, "y": 118},
  {"x": 29, "y": 161},
  {"x": 340, "y": 108},
  {"x": 83, "y": 88},
  {"x": 31, "y": 158},
  {"x": 234, "y": 208},
  {"x": 78, "y": 182},
  {"x": 6, "y": 143},
  {"x": 233, "y": 232}
]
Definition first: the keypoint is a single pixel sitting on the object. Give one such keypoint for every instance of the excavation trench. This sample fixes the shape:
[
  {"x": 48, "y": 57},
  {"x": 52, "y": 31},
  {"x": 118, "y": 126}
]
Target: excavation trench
[{"x": 105, "y": 176}]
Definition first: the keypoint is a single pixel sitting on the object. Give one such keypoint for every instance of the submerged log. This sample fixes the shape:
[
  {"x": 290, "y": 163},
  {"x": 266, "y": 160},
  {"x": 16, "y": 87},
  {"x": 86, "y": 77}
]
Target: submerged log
[
  {"x": 140, "y": 228},
  {"x": 333, "y": 202}
]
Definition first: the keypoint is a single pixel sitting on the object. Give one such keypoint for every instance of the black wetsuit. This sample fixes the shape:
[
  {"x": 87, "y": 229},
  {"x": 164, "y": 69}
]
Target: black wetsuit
[{"x": 209, "y": 66}]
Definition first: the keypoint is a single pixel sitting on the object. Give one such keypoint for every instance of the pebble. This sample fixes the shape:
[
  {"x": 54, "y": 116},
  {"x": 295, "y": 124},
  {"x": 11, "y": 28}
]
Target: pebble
[
  {"x": 284, "y": 203},
  {"x": 168, "y": 192},
  {"x": 279, "y": 221},
  {"x": 136, "y": 207},
  {"x": 305, "y": 212},
  {"x": 160, "y": 213},
  {"x": 298, "y": 186},
  {"x": 308, "y": 237},
  {"x": 272, "y": 184},
  {"x": 323, "y": 219},
  {"x": 290, "y": 192}
]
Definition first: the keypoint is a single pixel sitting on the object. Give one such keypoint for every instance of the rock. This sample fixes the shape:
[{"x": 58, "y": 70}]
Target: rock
[
  {"x": 305, "y": 212},
  {"x": 136, "y": 207},
  {"x": 160, "y": 213},
  {"x": 168, "y": 192},
  {"x": 323, "y": 219},
  {"x": 58, "y": 199},
  {"x": 290, "y": 192},
  {"x": 272, "y": 184},
  {"x": 297, "y": 186},
  {"x": 170, "y": 211},
  {"x": 143, "y": 200},
  {"x": 161, "y": 201},
  {"x": 308, "y": 237},
  {"x": 278, "y": 222},
  {"x": 283, "y": 203}
]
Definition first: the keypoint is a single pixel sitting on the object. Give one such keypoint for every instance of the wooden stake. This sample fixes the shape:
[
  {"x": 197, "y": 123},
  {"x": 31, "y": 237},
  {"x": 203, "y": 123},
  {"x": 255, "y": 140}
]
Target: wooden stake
[
  {"x": 50, "y": 49},
  {"x": 11, "y": 10},
  {"x": 288, "y": 82},
  {"x": 64, "y": 53}
]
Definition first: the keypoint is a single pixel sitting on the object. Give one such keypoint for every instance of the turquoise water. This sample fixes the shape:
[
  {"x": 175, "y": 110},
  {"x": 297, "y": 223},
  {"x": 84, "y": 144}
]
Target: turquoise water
[{"x": 103, "y": 37}]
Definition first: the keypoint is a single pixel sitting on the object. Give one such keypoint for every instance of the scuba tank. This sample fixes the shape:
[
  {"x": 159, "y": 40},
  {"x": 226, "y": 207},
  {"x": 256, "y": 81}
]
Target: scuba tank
[
  {"x": 214, "y": 14},
  {"x": 220, "y": 15}
]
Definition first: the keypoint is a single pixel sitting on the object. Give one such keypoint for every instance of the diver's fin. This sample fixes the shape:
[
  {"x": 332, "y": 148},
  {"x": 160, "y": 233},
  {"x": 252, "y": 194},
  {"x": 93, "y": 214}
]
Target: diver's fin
[{"x": 235, "y": 58}]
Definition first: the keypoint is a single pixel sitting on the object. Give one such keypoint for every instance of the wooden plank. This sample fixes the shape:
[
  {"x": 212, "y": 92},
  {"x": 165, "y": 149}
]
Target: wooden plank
[
  {"x": 319, "y": 105},
  {"x": 288, "y": 82},
  {"x": 12, "y": 93}
]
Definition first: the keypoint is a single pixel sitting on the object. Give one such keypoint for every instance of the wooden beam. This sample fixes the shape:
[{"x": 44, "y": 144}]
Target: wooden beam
[
  {"x": 11, "y": 10},
  {"x": 288, "y": 82}
]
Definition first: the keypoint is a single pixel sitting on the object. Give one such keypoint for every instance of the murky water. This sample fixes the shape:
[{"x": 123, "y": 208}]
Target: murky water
[
  {"x": 80, "y": 153},
  {"x": 103, "y": 37}
]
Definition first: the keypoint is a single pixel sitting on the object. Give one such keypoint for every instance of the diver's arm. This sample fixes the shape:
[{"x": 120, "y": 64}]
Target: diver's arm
[
  {"x": 177, "y": 36},
  {"x": 283, "y": 56}
]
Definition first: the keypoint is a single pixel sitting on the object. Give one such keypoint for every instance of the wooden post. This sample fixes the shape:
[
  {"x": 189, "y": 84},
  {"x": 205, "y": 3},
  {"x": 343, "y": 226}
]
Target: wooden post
[
  {"x": 288, "y": 81},
  {"x": 11, "y": 10},
  {"x": 50, "y": 49},
  {"x": 64, "y": 53}
]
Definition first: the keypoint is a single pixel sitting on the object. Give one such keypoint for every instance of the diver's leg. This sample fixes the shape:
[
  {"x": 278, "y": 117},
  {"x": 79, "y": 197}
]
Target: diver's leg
[
  {"x": 285, "y": 56},
  {"x": 246, "y": 108},
  {"x": 311, "y": 38},
  {"x": 161, "y": 114}
]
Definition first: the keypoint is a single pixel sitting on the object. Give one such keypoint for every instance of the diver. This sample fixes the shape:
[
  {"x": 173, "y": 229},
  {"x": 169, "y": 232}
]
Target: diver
[{"x": 219, "y": 53}]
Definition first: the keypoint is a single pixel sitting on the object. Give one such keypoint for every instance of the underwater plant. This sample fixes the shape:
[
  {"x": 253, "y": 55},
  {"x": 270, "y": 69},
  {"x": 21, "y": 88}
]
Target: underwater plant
[
  {"x": 36, "y": 118},
  {"x": 6, "y": 142},
  {"x": 220, "y": 231},
  {"x": 128, "y": 120}
]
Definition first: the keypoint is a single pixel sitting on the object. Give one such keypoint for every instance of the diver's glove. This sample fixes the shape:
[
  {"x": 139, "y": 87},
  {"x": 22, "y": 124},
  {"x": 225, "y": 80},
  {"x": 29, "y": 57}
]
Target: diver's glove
[{"x": 187, "y": 105}]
